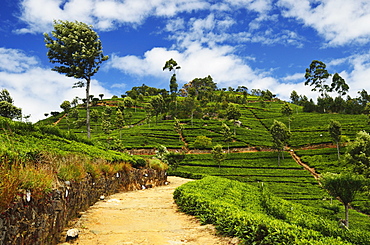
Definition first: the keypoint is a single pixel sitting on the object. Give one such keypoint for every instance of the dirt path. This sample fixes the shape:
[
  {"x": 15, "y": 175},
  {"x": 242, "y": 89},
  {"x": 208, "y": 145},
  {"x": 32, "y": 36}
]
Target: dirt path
[{"x": 147, "y": 217}]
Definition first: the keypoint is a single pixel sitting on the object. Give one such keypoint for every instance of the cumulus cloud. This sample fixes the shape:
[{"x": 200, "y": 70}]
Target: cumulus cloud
[
  {"x": 196, "y": 62},
  {"x": 13, "y": 60},
  {"x": 103, "y": 14},
  {"x": 206, "y": 43},
  {"x": 338, "y": 21},
  {"x": 359, "y": 74},
  {"x": 38, "y": 90}
]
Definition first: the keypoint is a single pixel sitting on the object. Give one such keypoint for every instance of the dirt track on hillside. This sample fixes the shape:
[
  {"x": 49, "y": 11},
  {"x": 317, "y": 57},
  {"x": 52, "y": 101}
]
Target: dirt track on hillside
[{"x": 147, "y": 217}]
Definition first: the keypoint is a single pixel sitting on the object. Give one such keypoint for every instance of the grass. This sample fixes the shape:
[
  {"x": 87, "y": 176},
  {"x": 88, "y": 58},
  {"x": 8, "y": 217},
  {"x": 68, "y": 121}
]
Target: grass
[{"x": 34, "y": 159}]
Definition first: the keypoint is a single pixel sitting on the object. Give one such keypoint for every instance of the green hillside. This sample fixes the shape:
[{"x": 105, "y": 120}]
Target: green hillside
[
  {"x": 142, "y": 122},
  {"x": 36, "y": 158}
]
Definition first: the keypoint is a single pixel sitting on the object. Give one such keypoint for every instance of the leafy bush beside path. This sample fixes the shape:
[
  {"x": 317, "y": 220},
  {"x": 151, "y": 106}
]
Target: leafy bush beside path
[{"x": 258, "y": 217}]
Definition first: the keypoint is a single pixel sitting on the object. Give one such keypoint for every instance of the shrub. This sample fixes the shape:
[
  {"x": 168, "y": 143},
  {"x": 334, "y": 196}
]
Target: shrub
[
  {"x": 38, "y": 180},
  {"x": 9, "y": 183},
  {"x": 71, "y": 172},
  {"x": 202, "y": 142},
  {"x": 237, "y": 209},
  {"x": 157, "y": 164},
  {"x": 138, "y": 162}
]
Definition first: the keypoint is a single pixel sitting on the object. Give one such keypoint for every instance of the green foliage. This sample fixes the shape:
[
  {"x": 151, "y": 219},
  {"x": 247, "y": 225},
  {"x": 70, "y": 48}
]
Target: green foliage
[
  {"x": 344, "y": 186},
  {"x": 34, "y": 157},
  {"x": 138, "y": 162},
  {"x": 66, "y": 106},
  {"x": 76, "y": 46},
  {"x": 316, "y": 75},
  {"x": 286, "y": 109},
  {"x": 38, "y": 180},
  {"x": 358, "y": 154},
  {"x": 172, "y": 65},
  {"x": 172, "y": 159},
  {"x": 257, "y": 217},
  {"x": 280, "y": 135},
  {"x": 7, "y": 109},
  {"x": 78, "y": 50},
  {"x": 71, "y": 172},
  {"x": 202, "y": 142},
  {"x": 218, "y": 154},
  {"x": 157, "y": 164},
  {"x": 335, "y": 130},
  {"x": 9, "y": 184}
]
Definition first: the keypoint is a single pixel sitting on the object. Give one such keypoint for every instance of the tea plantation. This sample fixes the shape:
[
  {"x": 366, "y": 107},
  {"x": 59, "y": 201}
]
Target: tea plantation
[{"x": 250, "y": 195}]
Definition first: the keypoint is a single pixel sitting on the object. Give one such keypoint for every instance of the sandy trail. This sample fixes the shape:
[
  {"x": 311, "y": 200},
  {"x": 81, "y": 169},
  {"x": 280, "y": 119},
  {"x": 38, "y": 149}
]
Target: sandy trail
[{"x": 147, "y": 217}]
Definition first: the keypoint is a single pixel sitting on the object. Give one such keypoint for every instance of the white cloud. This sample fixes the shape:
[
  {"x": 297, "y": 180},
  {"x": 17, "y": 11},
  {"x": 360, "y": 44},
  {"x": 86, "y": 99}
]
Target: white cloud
[
  {"x": 37, "y": 90},
  {"x": 196, "y": 62},
  {"x": 13, "y": 60},
  {"x": 103, "y": 14},
  {"x": 294, "y": 77},
  {"x": 338, "y": 21},
  {"x": 358, "y": 77}
]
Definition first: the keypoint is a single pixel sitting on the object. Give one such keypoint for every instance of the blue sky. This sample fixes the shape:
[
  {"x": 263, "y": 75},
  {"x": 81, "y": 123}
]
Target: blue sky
[{"x": 260, "y": 44}]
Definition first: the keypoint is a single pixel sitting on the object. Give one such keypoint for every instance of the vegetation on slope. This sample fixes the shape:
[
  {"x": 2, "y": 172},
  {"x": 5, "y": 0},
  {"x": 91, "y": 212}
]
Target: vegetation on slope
[
  {"x": 36, "y": 158},
  {"x": 258, "y": 217}
]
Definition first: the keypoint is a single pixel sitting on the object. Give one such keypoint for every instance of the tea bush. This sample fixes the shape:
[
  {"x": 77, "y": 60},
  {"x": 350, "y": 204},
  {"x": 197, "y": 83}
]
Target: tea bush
[{"x": 258, "y": 217}]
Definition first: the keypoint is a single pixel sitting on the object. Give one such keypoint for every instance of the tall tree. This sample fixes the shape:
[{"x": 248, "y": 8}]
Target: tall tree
[
  {"x": 287, "y": 111},
  {"x": 335, "y": 131},
  {"x": 66, "y": 106},
  {"x": 344, "y": 186},
  {"x": 172, "y": 65},
  {"x": 316, "y": 75},
  {"x": 5, "y": 96},
  {"x": 280, "y": 136},
  {"x": 76, "y": 47},
  {"x": 294, "y": 97},
  {"x": 339, "y": 85},
  {"x": 228, "y": 135},
  {"x": 358, "y": 154},
  {"x": 190, "y": 105},
  {"x": 120, "y": 121},
  {"x": 158, "y": 105},
  {"x": 218, "y": 155},
  {"x": 7, "y": 109},
  {"x": 233, "y": 113}
]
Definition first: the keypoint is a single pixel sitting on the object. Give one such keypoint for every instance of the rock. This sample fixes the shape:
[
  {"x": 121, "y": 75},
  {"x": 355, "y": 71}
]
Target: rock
[
  {"x": 102, "y": 197},
  {"x": 72, "y": 234}
]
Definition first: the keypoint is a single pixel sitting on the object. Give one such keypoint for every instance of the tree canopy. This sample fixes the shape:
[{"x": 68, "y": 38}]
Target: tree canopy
[
  {"x": 316, "y": 75},
  {"x": 77, "y": 50},
  {"x": 344, "y": 186},
  {"x": 7, "y": 109},
  {"x": 335, "y": 131},
  {"x": 280, "y": 136},
  {"x": 358, "y": 154}
]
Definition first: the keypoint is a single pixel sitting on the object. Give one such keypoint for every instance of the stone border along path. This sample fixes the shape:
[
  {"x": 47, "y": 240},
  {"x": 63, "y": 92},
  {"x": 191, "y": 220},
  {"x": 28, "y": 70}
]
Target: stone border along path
[{"x": 148, "y": 217}]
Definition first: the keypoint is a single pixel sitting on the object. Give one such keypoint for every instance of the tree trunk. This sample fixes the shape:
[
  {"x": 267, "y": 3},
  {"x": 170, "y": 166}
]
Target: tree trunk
[
  {"x": 88, "y": 107},
  {"x": 338, "y": 150},
  {"x": 279, "y": 158},
  {"x": 346, "y": 206}
]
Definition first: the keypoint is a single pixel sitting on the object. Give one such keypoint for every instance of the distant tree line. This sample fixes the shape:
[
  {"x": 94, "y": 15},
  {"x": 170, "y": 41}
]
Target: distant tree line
[{"x": 327, "y": 104}]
